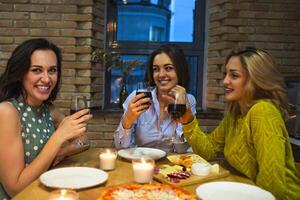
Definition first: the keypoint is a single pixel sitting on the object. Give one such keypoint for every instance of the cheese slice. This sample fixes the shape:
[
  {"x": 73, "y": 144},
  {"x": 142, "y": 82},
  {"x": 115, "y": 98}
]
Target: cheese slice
[
  {"x": 186, "y": 159},
  {"x": 215, "y": 168},
  {"x": 167, "y": 169}
]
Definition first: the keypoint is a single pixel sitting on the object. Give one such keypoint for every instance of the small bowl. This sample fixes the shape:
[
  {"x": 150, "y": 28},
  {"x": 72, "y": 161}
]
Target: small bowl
[{"x": 201, "y": 169}]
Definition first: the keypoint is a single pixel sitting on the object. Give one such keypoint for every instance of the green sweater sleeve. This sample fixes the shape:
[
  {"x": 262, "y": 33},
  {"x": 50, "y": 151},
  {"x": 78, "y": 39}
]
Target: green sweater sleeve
[
  {"x": 206, "y": 145},
  {"x": 276, "y": 169}
]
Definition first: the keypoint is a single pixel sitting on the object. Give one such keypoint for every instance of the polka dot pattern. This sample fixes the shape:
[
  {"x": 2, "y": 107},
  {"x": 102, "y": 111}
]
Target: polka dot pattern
[{"x": 37, "y": 127}]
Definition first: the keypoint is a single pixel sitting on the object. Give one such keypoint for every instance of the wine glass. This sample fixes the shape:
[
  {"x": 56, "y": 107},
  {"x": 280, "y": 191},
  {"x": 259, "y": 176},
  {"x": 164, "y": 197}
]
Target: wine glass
[
  {"x": 80, "y": 102},
  {"x": 144, "y": 87},
  {"x": 177, "y": 109}
]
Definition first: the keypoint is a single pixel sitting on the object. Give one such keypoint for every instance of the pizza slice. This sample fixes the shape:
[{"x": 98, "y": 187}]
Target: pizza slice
[{"x": 146, "y": 192}]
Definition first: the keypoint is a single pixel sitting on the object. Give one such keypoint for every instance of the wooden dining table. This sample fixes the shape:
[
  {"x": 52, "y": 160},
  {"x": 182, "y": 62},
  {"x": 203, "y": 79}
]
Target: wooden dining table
[{"x": 122, "y": 174}]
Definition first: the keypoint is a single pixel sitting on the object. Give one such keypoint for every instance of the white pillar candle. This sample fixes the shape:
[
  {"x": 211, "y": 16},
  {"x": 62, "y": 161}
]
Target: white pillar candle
[
  {"x": 64, "y": 195},
  {"x": 108, "y": 159},
  {"x": 143, "y": 170}
]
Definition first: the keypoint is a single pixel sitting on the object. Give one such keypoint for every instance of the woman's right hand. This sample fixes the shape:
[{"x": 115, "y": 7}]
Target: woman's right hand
[
  {"x": 188, "y": 116},
  {"x": 136, "y": 107},
  {"x": 74, "y": 125}
]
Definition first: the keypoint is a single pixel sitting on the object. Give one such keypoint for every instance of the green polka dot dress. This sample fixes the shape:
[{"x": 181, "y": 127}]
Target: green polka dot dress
[{"x": 37, "y": 127}]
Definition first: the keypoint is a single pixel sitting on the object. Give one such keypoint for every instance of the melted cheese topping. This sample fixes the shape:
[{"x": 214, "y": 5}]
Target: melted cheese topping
[{"x": 141, "y": 194}]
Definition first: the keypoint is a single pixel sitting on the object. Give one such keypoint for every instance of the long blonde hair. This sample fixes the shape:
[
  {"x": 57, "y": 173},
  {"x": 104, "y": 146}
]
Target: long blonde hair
[{"x": 264, "y": 81}]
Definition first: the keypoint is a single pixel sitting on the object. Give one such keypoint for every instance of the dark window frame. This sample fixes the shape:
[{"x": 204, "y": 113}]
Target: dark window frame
[{"x": 195, "y": 48}]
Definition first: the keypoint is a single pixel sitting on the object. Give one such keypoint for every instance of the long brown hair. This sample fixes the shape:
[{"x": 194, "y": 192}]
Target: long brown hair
[
  {"x": 177, "y": 56},
  {"x": 264, "y": 81},
  {"x": 18, "y": 65}
]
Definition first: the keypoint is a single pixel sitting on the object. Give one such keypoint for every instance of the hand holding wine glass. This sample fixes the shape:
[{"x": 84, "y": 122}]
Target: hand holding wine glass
[
  {"x": 80, "y": 102},
  {"x": 177, "y": 108},
  {"x": 144, "y": 87},
  {"x": 176, "y": 99},
  {"x": 138, "y": 105}
]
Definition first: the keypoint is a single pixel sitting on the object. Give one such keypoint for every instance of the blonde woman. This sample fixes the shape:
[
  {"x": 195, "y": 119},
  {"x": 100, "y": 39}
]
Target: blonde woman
[{"x": 252, "y": 135}]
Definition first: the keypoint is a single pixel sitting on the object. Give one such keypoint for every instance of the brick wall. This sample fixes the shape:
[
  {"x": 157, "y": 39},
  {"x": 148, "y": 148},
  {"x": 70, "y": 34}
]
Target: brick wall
[
  {"x": 67, "y": 23},
  {"x": 79, "y": 25},
  {"x": 269, "y": 24}
]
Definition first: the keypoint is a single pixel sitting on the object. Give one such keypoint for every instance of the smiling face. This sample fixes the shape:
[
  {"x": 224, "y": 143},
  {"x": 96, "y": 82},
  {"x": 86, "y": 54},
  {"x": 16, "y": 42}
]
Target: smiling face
[
  {"x": 41, "y": 78},
  {"x": 164, "y": 73},
  {"x": 235, "y": 79}
]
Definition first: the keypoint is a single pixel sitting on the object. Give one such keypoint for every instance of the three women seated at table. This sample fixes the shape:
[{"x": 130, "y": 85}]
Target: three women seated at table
[
  {"x": 252, "y": 135},
  {"x": 32, "y": 131},
  {"x": 146, "y": 122}
]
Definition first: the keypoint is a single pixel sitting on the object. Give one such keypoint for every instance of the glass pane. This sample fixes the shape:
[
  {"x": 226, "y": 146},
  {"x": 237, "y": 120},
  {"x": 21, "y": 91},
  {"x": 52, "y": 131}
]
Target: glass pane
[
  {"x": 156, "y": 20},
  {"x": 192, "y": 62},
  {"x": 138, "y": 74}
]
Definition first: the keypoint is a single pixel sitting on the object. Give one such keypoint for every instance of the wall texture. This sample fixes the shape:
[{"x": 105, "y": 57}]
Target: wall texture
[
  {"x": 273, "y": 25},
  {"x": 79, "y": 25}
]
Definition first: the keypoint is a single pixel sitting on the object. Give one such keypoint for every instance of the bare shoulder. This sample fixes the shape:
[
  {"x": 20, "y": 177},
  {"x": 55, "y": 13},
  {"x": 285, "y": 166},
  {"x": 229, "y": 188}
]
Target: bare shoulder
[
  {"x": 9, "y": 119},
  {"x": 7, "y": 110}
]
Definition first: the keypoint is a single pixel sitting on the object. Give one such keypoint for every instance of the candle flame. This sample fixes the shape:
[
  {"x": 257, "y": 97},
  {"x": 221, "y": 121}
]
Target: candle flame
[
  {"x": 63, "y": 192},
  {"x": 143, "y": 160}
]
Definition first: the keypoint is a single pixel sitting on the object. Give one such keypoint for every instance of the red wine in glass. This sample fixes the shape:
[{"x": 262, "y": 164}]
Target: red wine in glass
[
  {"x": 72, "y": 111},
  {"x": 144, "y": 87},
  {"x": 147, "y": 95},
  {"x": 78, "y": 103},
  {"x": 176, "y": 110}
]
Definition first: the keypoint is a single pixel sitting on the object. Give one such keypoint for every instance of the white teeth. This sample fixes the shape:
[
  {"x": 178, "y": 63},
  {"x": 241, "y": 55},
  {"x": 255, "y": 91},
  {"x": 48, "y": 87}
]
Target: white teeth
[
  {"x": 163, "y": 81},
  {"x": 43, "y": 88}
]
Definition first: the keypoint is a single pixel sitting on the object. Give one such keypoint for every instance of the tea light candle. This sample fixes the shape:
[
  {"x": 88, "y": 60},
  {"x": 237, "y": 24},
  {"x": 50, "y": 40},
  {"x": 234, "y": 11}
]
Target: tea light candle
[
  {"x": 64, "y": 195},
  {"x": 143, "y": 170},
  {"x": 108, "y": 159}
]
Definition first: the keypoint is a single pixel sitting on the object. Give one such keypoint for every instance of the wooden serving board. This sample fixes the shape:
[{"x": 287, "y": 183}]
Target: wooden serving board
[{"x": 193, "y": 179}]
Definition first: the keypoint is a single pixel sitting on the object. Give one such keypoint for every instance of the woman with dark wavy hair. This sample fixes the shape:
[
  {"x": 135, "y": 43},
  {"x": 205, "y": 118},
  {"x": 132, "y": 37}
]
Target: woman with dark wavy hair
[
  {"x": 32, "y": 130},
  {"x": 145, "y": 121},
  {"x": 252, "y": 135}
]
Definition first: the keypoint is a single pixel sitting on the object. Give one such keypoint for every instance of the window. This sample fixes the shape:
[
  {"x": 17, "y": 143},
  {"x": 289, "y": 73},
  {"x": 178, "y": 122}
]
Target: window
[
  {"x": 157, "y": 34},
  {"x": 136, "y": 27}
]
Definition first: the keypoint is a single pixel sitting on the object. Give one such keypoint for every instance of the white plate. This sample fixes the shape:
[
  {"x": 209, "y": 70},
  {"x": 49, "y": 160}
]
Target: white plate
[
  {"x": 232, "y": 190},
  {"x": 73, "y": 177},
  {"x": 133, "y": 153}
]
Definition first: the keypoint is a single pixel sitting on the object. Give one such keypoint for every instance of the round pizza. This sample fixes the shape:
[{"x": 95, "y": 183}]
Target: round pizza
[{"x": 146, "y": 192}]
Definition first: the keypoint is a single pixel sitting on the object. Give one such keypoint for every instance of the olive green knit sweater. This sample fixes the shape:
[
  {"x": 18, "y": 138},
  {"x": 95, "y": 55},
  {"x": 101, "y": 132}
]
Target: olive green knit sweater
[{"x": 257, "y": 145}]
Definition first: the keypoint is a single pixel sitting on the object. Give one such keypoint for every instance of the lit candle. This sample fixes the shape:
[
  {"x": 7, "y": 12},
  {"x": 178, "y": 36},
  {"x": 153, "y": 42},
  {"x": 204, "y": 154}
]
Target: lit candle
[
  {"x": 108, "y": 159},
  {"x": 64, "y": 195},
  {"x": 143, "y": 170}
]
